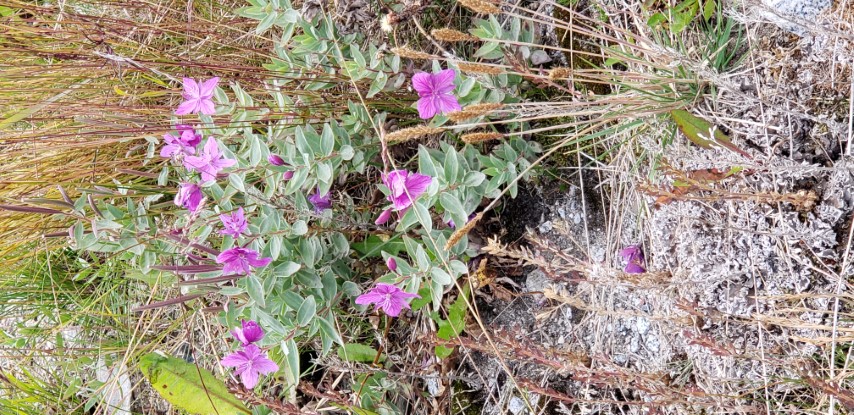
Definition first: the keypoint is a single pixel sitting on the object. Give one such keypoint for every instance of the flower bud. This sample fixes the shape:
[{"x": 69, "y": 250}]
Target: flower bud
[
  {"x": 275, "y": 160},
  {"x": 288, "y": 175},
  {"x": 391, "y": 264}
]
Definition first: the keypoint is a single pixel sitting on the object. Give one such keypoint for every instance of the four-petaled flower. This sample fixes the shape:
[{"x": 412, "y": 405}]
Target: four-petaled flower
[
  {"x": 249, "y": 363},
  {"x": 320, "y": 203},
  {"x": 235, "y": 223},
  {"x": 185, "y": 143},
  {"x": 405, "y": 187},
  {"x": 209, "y": 162},
  {"x": 435, "y": 95},
  {"x": 387, "y": 297},
  {"x": 198, "y": 97},
  {"x": 189, "y": 196},
  {"x": 238, "y": 261},
  {"x": 634, "y": 256},
  {"x": 248, "y": 332}
]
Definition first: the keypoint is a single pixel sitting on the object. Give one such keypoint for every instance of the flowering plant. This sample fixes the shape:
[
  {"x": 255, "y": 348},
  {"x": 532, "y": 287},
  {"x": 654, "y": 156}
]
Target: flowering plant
[{"x": 272, "y": 222}]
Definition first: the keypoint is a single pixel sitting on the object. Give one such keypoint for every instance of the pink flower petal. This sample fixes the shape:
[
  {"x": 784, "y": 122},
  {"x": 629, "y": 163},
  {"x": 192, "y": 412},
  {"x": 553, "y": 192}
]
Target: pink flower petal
[
  {"x": 369, "y": 297},
  {"x": 191, "y": 88},
  {"x": 265, "y": 366},
  {"x": 443, "y": 82},
  {"x": 233, "y": 360},
  {"x": 207, "y": 107},
  {"x": 383, "y": 217},
  {"x": 417, "y": 184},
  {"x": 187, "y": 107},
  {"x": 212, "y": 148},
  {"x": 633, "y": 268},
  {"x": 206, "y": 89},
  {"x": 422, "y": 82},
  {"x": 426, "y": 109},
  {"x": 249, "y": 378},
  {"x": 447, "y": 103}
]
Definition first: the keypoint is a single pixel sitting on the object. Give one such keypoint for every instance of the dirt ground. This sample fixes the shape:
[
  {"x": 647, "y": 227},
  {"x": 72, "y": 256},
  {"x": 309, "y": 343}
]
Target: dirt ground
[{"x": 744, "y": 275}]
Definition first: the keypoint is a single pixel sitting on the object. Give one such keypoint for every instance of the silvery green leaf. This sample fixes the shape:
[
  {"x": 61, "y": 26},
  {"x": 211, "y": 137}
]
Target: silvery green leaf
[
  {"x": 299, "y": 228},
  {"x": 255, "y": 290},
  {"x": 306, "y": 311},
  {"x": 440, "y": 276},
  {"x": 347, "y": 152}
]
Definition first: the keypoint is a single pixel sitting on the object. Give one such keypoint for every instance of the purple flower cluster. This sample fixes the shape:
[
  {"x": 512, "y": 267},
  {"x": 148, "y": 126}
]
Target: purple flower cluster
[
  {"x": 209, "y": 162},
  {"x": 250, "y": 361}
]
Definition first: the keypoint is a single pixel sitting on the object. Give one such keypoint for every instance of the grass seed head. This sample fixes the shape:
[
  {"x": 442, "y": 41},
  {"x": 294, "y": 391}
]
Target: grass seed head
[
  {"x": 451, "y": 35},
  {"x": 411, "y": 133},
  {"x": 472, "y": 138},
  {"x": 469, "y": 67}
]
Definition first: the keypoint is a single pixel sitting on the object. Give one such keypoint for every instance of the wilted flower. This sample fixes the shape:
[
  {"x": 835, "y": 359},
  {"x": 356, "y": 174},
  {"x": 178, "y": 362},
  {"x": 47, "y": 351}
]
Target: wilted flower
[
  {"x": 391, "y": 263},
  {"x": 383, "y": 217},
  {"x": 276, "y": 160},
  {"x": 320, "y": 203},
  {"x": 238, "y": 261},
  {"x": 249, "y": 363},
  {"x": 198, "y": 97},
  {"x": 435, "y": 95},
  {"x": 405, "y": 187},
  {"x": 184, "y": 143},
  {"x": 248, "y": 332},
  {"x": 209, "y": 162},
  {"x": 189, "y": 196},
  {"x": 235, "y": 223},
  {"x": 634, "y": 255},
  {"x": 387, "y": 297}
]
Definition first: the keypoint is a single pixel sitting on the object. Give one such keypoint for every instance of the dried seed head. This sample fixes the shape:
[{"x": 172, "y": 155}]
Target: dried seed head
[
  {"x": 481, "y": 6},
  {"x": 463, "y": 231},
  {"x": 474, "y": 111},
  {"x": 405, "y": 52},
  {"x": 559, "y": 73},
  {"x": 411, "y": 133},
  {"x": 479, "y": 68},
  {"x": 451, "y": 35},
  {"x": 472, "y": 138},
  {"x": 387, "y": 22}
]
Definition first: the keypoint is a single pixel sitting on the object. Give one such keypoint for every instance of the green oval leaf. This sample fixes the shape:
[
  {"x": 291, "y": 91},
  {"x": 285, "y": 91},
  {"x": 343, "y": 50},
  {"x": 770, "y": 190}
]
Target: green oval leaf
[{"x": 189, "y": 387}]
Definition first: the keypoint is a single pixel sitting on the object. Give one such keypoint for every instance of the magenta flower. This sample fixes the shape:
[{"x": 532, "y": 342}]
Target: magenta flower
[
  {"x": 320, "y": 203},
  {"x": 405, "y": 187},
  {"x": 249, "y": 332},
  {"x": 235, "y": 223},
  {"x": 185, "y": 143},
  {"x": 209, "y": 162},
  {"x": 383, "y": 217},
  {"x": 435, "y": 95},
  {"x": 238, "y": 261},
  {"x": 198, "y": 97},
  {"x": 276, "y": 160},
  {"x": 288, "y": 175},
  {"x": 634, "y": 256},
  {"x": 249, "y": 363},
  {"x": 189, "y": 196},
  {"x": 391, "y": 263},
  {"x": 387, "y": 297}
]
